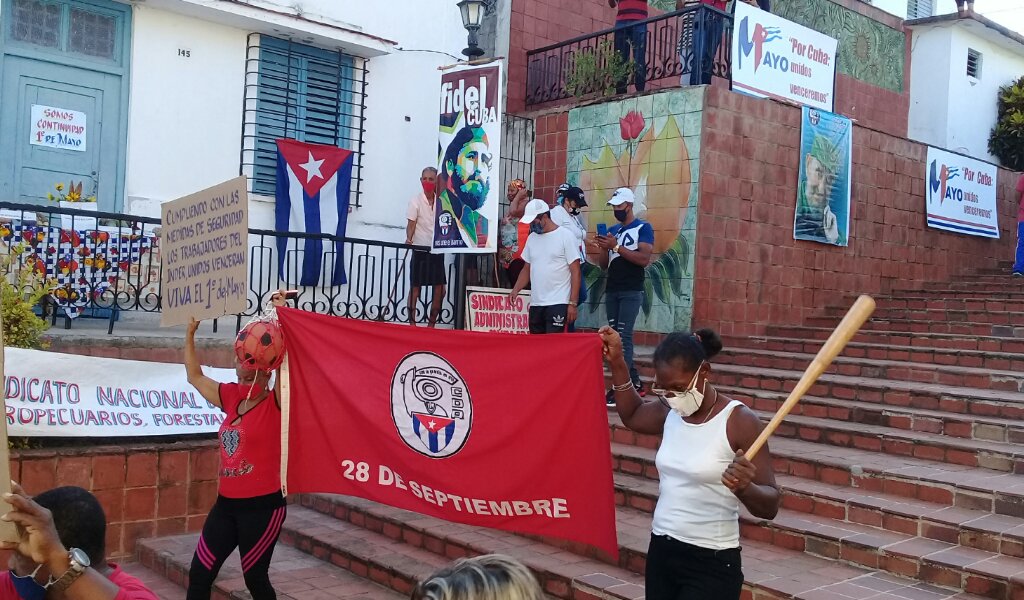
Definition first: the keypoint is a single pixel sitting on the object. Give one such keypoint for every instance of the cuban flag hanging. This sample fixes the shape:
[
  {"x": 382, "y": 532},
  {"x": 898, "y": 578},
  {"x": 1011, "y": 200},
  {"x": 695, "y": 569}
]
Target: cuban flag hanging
[{"x": 313, "y": 183}]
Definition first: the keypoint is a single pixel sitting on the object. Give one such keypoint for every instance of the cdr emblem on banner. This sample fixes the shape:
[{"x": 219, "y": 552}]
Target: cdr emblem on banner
[{"x": 430, "y": 405}]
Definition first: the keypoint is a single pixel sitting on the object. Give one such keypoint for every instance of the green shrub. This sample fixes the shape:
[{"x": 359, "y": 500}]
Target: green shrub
[
  {"x": 21, "y": 289},
  {"x": 1006, "y": 141},
  {"x": 596, "y": 71}
]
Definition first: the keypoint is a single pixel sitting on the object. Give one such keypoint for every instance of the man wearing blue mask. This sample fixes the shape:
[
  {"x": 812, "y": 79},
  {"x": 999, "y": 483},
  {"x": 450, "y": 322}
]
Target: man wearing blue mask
[
  {"x": 552, "y": 270},
  {"x": 626, "y": 253},
  {"x": 62, "y": 550}
]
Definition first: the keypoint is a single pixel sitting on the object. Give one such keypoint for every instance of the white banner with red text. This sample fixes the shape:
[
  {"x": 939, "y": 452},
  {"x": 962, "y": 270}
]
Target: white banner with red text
[
  {"x": 489, "y": 309},
  {"x": 49, "y": 394},
  {"x": 776, "y": 58}
]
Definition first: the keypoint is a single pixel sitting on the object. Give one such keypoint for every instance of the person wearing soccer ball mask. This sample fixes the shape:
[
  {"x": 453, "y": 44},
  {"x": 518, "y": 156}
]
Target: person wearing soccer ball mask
[{"x": 250, "y": 508}]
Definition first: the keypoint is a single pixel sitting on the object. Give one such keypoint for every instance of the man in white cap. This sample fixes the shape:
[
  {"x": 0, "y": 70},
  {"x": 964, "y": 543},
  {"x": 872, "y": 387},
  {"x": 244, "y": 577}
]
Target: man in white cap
[
  {"x": 552, "y": 270},
  {"x": 628, "y": 248}
]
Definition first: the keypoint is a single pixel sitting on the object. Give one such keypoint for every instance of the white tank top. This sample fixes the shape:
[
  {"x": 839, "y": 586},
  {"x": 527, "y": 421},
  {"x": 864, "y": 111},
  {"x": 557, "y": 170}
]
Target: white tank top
[{"x": 693, "y": 505}]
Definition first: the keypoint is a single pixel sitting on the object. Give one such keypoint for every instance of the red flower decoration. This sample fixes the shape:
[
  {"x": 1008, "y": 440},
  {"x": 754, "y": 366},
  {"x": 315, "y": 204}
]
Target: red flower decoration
[{"x": 632, "y": 125}]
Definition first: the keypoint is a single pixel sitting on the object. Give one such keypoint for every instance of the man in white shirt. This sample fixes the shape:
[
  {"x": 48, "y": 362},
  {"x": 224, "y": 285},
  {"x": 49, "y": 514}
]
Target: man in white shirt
[
  {"x": 425, "y": 268},
  {"x": 552, "y": 270}
]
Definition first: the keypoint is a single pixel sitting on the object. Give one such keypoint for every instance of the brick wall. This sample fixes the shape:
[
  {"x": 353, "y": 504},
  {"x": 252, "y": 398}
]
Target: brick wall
[
  {"x": 873, "y": 107},
  {"x": 751, "y": 273},
  {"x": 549, "y": 168},
  {"x": 146, "y": 489}
]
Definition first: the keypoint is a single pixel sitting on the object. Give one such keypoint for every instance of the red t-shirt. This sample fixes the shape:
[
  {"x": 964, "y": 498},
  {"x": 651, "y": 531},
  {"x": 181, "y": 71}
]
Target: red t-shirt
[
  {"x": 131, "y": 588},
  {"x": 719, "y": 4},
  {"x": 632, "y": 10},
  {"x": 250, "y": 452},
  {"x": 1020, "y": 194}
]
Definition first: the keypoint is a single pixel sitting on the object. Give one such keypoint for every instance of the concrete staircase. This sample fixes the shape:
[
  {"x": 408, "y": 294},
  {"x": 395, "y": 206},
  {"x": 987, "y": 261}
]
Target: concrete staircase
[{"x": 902, "y": 472}]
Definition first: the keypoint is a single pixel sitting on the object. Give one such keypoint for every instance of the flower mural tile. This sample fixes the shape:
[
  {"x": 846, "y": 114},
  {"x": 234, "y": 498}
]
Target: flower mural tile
[
  {"x": 574, "y": 120},
  {"x": 647, "y": 152}
]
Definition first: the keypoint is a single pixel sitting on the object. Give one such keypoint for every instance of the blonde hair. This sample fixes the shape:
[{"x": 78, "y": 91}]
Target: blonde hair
[{"x": 488, "y": 577}]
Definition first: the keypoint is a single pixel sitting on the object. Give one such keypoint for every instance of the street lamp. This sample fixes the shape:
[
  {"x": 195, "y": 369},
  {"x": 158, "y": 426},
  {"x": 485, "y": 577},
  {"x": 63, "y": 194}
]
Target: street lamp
[{"x": 472, "y": 17}]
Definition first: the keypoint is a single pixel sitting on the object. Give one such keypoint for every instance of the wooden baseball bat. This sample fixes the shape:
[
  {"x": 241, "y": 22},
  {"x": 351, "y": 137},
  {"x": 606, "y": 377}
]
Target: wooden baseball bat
[{"x": 848, "y": 327}]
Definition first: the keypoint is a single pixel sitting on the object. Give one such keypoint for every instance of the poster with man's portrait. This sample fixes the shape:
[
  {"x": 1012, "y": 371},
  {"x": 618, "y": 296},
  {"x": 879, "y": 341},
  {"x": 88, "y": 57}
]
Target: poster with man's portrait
[
  {"x": 468, "y": 183},
  {"x": 823, "y": 189}
]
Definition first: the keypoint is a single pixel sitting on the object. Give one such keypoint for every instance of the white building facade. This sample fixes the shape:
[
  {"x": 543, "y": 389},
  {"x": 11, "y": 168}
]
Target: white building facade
[
  {"x": 178, "y": 95},
  {"x": 958, "y": 66}
]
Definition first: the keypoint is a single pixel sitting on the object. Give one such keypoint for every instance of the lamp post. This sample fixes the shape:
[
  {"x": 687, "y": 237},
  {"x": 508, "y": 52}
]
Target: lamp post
[{"x": 472, "y": 16}]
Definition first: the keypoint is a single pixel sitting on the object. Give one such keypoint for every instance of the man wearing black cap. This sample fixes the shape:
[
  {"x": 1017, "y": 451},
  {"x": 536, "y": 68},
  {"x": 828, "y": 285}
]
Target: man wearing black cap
[{"x": 566, "y": 214}]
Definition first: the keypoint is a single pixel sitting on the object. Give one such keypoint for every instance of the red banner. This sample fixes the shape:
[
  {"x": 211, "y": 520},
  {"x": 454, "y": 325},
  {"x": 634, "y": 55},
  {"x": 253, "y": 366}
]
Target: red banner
[{"x": 496, "y": 430}]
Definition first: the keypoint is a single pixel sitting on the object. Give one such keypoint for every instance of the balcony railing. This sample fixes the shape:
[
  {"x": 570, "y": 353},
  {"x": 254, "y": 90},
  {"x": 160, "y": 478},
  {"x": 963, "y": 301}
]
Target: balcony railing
[
  {"x": 689, "y": 46},
  {"x": 100, "y": 270}
]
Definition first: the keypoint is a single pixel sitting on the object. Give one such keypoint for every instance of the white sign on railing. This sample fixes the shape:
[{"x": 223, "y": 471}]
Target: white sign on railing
[{"x": 776, "y": 58}]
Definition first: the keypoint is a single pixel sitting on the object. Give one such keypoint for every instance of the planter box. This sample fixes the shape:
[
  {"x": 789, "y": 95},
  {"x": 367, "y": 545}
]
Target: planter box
[{"x": 78, "y": 222}]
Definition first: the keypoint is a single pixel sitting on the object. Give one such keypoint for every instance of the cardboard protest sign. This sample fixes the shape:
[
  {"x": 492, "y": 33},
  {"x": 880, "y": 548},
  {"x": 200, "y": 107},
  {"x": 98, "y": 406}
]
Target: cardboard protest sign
[{"x": 205, "y": 254}]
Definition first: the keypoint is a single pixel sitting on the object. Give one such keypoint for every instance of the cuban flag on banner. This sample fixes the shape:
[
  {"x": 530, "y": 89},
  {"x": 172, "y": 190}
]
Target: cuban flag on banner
[
  {"x": 434, "y": 432},
  {"x": 313, "y": 183}
]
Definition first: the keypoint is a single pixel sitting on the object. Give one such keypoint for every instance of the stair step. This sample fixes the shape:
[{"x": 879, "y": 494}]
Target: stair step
[
  {"x": 897, "y": 417},
  {"x": 995, "y": 403},
  {"x": 974, "y": 488},
  {"x": 986, "y": 343},
  {"x": 976, "y": 303},
  {"x": 559, "y": 571},
  {"x": 880, "y": 369},
  {"x": 949, "y": 565},
  {"x": 295, "y": 575},
  {"x": 940, "y": 357},
  {"x": 970, "y": 328},
  {"x": 983, "y": 316},
  {"x": 787, "y": 534},
  {"x": 162, "y": 588},
  {"x": 997, "y": 456},
  {"x": 771, "y": 572},
  {"x": 999, "y": 534}
]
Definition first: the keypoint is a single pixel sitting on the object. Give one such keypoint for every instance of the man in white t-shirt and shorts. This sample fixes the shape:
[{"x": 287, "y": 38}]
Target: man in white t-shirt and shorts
[
  {"x": 552, "y": 270},
  {"x": 425, "y": 268}
]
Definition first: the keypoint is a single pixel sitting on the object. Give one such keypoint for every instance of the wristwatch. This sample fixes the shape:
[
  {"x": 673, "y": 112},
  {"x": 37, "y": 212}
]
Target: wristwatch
[
  {"x": 79, "y": 562},
  {"x": 616, "y": 248},
  {"x": 571, "y": 303}
]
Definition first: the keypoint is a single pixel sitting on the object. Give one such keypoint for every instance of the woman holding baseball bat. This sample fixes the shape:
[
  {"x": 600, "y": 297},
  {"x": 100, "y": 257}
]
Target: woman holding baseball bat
[{"x": 704, "y": 475}]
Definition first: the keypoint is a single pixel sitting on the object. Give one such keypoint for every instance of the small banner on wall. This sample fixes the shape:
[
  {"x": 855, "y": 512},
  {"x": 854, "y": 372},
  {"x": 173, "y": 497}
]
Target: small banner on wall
[
  {"x": 468, "y": 157},
  {"x": 66, "y": 395},
  {"x": 776, "y": 58},
  {"x": 434, "y": 425},
  {"x": 58, "y": 128},
  {"x": 960, "y": 195},
  {"x": 823, "y": 189},
  {"x": 489, "y": 309}
]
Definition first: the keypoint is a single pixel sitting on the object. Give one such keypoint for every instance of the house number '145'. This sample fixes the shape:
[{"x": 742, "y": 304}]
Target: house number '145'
[{"x": 184, "y": 53}]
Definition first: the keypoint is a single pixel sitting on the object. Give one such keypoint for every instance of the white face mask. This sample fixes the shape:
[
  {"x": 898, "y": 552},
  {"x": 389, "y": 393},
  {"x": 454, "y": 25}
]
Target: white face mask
[{"x": 685, "y": 403}]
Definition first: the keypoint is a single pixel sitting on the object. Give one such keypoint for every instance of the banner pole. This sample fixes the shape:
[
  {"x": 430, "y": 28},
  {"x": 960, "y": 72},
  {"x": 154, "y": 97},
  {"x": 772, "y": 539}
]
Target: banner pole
[
  {"x": 285, "y": 421},
  {"x": 8, "y": 531}
]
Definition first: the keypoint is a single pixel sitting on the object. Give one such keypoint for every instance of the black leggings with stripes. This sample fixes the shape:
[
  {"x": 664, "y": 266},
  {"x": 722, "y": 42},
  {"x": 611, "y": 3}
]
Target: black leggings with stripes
[{"x": 250, "y": 524}]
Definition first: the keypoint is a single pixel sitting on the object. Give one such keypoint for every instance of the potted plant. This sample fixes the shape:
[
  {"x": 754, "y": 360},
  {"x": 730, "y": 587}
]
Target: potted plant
[
  {"x": 74, "y": 199},
  {"x": 595, "y": 72}
]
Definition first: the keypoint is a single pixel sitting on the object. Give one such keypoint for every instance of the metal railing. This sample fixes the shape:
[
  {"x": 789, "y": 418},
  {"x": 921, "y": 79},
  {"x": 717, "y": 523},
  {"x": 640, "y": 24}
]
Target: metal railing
[
  {"x": 690, "y": 45},
  {"x": 103, "y": 269}
]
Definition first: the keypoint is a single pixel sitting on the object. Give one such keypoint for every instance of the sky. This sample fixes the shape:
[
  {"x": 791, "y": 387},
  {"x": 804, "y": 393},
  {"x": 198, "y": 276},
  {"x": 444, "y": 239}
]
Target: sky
[{"x": 1009, "y": 13}]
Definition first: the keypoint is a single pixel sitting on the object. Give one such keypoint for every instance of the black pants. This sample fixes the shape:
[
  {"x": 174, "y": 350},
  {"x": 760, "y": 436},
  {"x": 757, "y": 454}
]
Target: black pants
[
  {"x": 679, "y": 571},
  {"x": 250, "y": 524},
  {"x": 548, "y": 319},
  {"x": 628, "y": 36}
]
